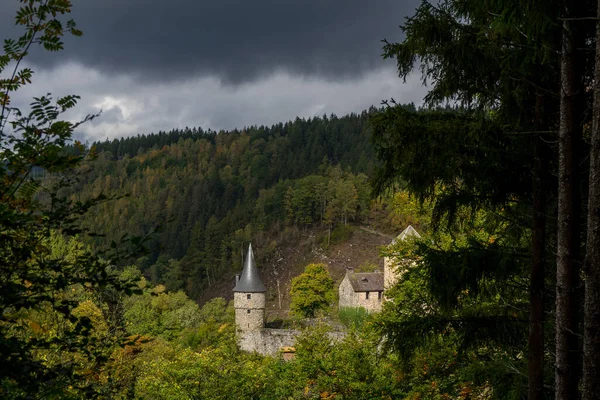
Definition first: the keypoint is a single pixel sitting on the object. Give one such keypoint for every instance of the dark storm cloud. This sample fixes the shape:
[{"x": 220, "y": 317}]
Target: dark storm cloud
[{"x": 237, "y": 41}]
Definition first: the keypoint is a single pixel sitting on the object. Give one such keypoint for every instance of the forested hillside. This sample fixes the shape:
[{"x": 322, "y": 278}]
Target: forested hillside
[{"x": 211, "y": 193}]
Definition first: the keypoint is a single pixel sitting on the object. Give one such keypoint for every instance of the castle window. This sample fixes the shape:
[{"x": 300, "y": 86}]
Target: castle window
[
  {"x": 248, "y": 296},
  {"x": 248, "y": 311},
  {"x": 367, "y": 295}
]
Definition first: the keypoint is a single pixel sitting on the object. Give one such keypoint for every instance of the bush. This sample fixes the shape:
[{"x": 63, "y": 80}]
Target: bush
[
  {"x": 341, "y": 233},
  {"x": 353, "y": 317}
]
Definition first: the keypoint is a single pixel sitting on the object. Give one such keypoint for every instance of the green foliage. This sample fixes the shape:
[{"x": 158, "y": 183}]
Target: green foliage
[
  {"x": 340, "y": 234},
  {"x": 164, "y": 315},
  {"x": 487, "y": 169},
  {"x": 476, "y": 163},
  {"x": 185, "y": 340},
  {"x": 353, "y": 317},
  {"x": 213, "y": 373},
  {"x": 348, "y": 368},
  {"x": 408, "y": 210},
  {"x": 312, "y": 291},
  {"x": 217, "y": 326},
  {"x": 367, "y": 267},
  {"x": 453, "y": 325},
  {"x": 58, "y": 297}
]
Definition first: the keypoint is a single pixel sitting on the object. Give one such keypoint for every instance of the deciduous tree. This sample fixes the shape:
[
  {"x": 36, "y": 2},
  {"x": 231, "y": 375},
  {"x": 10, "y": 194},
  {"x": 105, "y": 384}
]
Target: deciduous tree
[
  {"x": 34, "y": 277},
  {"x": 312, "y": 291}
]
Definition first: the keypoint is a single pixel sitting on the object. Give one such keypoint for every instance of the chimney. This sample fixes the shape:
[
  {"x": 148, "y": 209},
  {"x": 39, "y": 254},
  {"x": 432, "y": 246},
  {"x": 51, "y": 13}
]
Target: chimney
[
  {"x": 237, "y": 278},
  {"x": 349, "y": 270}
]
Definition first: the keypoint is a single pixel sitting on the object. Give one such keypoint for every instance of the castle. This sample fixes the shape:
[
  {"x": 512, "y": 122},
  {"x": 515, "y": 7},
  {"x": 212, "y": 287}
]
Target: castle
[
  {"x": 249, "y": 300},
  {"x": 366, "y": 289}
]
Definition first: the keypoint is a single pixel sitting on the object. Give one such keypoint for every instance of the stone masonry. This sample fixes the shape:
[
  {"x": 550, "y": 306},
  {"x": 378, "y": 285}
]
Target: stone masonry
[
  {"x": 390, "y": 264},
  {"x": 249, "y": 310}
]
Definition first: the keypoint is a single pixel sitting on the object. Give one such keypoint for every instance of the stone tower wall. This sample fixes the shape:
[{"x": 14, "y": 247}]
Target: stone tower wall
[
  {"x": 394, "y": 269},
  {"x": 389, "y": 272},
  {"x": 249, "y": 312}
]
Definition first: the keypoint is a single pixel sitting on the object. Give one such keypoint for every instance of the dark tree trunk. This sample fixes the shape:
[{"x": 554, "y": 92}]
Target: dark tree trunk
[
  {"x": 591, "y": 337},
  {"x": 566, "y": 375},
  {"x": 536, "y": 295}
]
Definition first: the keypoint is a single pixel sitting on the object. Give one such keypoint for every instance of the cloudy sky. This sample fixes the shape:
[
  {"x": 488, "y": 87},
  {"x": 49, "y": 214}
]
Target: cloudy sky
[{"x": 155, "y": 65}]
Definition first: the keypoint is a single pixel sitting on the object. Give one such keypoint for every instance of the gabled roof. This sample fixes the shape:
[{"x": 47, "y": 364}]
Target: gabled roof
[
  {"x": 250, "y": 281},
  {"x": 366, "y": 281},
  {"x": 409, "y": 231}
]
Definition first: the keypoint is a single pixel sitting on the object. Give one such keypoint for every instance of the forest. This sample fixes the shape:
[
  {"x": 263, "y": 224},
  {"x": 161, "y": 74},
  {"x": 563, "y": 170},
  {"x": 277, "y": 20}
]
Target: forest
[
  {"x": 209, "y": 195},
  {"x": 106, "y": 249}
]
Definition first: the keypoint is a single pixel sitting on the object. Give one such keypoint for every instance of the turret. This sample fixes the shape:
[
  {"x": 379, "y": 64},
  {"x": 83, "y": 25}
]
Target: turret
[
  {"x": 249, "y": 296},
  {"x": 390, "y": 264}
]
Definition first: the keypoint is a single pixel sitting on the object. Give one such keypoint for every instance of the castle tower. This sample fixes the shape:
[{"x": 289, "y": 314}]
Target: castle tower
[
  {"x": 390, "y": 264},
  {"x": 249, "y": 296}
]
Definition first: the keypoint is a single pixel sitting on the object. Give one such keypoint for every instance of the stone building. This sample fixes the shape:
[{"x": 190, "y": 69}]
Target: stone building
[
  {"x": 362, "y": 290},
  {"x": 390, "y": 264},
  {"x": 367, "y": 289}
]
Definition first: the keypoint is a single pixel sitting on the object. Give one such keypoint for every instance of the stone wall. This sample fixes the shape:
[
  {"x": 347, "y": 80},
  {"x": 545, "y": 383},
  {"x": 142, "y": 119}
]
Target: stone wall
[
  {"x": 389, "y": 272},
  {"x": 269, "y": 342},
  {"x": 394, "y": 269},
  {"x": 372, "y": 303},
  {"x": 346, "y": 293},
  {"x": 249, "y": 312}
]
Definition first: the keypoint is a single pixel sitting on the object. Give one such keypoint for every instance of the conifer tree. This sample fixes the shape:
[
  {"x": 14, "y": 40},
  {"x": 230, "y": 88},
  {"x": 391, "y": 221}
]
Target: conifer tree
[
  {"x": 591, "y": 339},
  {"x": 568, "y": 259},
  {"x": 496, "y": 60}
]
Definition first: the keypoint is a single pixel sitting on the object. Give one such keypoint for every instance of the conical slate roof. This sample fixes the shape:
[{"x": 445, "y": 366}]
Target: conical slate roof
[
  {"x": 409, "y": 231},
  {"x": 250, "y": 281}
]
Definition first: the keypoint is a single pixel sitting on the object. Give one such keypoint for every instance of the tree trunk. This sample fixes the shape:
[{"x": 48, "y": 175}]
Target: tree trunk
[
  {"x": 279, "y": 294},
  {"x": 566, "y": 375},
  {"x": 591, "y": 335},
  {"x": 535, "y": 358}
]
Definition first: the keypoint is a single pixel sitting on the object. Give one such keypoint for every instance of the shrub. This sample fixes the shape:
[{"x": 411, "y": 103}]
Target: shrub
[{"x": 353, "y": 317}]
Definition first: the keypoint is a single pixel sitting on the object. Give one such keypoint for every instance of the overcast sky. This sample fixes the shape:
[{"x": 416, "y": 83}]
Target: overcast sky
[{"x": 155, "y": 65}]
